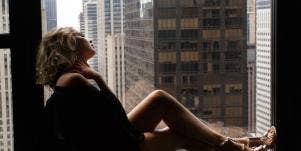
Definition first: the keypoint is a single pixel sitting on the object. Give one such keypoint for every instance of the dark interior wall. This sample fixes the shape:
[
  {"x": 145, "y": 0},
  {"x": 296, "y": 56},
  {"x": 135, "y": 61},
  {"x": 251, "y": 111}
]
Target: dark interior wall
[
  {"x": 25, "y": 34},
  {"x": 287, "y": 75}
]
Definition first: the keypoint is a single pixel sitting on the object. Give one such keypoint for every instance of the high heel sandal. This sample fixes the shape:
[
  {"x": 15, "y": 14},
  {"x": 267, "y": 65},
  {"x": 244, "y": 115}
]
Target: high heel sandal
[
  {"x": 267, "y": 140},
  {"x": 231, "y": 145}
]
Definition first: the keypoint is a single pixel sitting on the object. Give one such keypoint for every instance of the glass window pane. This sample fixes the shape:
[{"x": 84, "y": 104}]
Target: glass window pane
[
  {"x": 200, "y": 55},
  {"x": 6, "y": 115},
  {"x": 4, "y": 16}
]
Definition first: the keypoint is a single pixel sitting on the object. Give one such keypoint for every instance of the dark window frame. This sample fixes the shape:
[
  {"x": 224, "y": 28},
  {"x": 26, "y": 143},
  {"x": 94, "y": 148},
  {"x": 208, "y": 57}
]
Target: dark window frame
[{"x": 22, "y": 40}]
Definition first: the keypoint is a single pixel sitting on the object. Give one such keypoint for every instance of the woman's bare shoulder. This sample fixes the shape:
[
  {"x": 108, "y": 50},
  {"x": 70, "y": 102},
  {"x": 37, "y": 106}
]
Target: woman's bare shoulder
[{"x": 72, "y": 80}]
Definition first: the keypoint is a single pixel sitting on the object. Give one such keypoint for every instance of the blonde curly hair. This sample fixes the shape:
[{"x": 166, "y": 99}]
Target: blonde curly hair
[{"x": 58, "y": 51}]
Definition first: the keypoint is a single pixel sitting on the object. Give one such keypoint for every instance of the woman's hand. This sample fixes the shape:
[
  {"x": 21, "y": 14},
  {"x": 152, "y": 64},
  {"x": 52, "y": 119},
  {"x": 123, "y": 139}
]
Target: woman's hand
[{"x": 84, "y": 69}]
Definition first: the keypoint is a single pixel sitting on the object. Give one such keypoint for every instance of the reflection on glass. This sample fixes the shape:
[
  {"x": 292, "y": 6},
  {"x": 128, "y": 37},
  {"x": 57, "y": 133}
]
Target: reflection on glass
[
  {"x": 6, "y": 119},
  {"x": 4, "y": 17}
]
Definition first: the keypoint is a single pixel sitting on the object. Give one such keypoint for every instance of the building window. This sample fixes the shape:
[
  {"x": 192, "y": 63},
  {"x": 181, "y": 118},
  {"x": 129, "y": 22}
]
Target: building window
[
  {"x": 167, "y": 34},
  {"x": 211, "y": 2},
  {"x": 187, "y": 45},
  {"x": 190, "y": 67},
  {"x": 166, "y": 3},
  {"x": 164, "y": 24},
  {"x": 167, "y": 80},
  {"x": 189, "y": 34},
  {"x": 167, "y": 67}
]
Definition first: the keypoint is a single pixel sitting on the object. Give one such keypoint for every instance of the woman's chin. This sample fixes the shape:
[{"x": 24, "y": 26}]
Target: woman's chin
[{"x": 90, "y": 57}]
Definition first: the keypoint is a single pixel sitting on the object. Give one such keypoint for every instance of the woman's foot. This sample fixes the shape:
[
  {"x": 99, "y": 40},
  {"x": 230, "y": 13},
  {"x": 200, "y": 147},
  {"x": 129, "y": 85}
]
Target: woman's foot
[
  {"x": 231, "y": 145},
  {"x": 268, "y": 139}
]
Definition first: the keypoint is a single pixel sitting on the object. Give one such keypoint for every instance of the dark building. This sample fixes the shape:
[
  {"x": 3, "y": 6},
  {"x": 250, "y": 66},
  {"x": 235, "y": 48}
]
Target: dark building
[{"x": 195, "y": 50}]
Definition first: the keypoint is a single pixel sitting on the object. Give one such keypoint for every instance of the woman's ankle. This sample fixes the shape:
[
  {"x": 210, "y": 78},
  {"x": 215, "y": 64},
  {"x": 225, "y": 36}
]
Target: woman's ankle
[
  {"x": 221, "y": 140},
  {"x": 242, "y": 140},
  {"x": 232, "y": 145}
]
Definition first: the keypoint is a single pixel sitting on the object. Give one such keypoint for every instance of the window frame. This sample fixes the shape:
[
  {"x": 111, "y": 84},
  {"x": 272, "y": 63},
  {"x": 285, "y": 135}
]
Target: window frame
[
  {"x": 286, "y": 86},
  {"x": 27, "y": 97}
]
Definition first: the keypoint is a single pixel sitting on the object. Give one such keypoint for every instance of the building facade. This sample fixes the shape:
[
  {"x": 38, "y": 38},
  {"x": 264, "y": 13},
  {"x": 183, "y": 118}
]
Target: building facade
[
  {"x": 139, "y": 51},
  {"x": 201, "y": 57},
  {"x": 81, "y": 23},
  {"x": 6, "y": 115},
  {"x": 251, "y": 15},
  {"x": 51, "y": 14},
  {"x": 115, "y": 64},
  {"x": 6, "y": 119},
  {"x": 263, "y": 66}
]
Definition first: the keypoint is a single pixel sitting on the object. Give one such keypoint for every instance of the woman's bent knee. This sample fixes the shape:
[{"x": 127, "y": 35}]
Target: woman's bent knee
[{"x": 159, "y": 92}]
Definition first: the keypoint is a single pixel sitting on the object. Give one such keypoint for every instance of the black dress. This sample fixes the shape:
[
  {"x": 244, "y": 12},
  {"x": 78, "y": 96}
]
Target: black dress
[{"x": 85, "y": 119}]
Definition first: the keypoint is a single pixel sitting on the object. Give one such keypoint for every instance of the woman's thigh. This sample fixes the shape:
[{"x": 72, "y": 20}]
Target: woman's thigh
[
  {"x": 161, "y": 140},
  {"x": 148, "y": 113}
]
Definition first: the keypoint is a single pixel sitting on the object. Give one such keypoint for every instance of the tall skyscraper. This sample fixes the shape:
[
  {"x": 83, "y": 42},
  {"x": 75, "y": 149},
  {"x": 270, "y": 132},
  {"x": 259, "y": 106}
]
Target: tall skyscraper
[
  {"x": 81, "y": 17},
  {"x": 4, "y": 17},
  {"x": 112, "y": 10},
  {"x": 111, "y": 19},
  {"x": 91, "y": 24},
  {"x": 6, "y": 115},
  {"x": 51, "y": 14},
  {"x": 81, "y": 23},
  {"x": 201, "y": 57},
  {"x": 115, "y": 64},
  {"x": 251, "y": 55},
  {"x": 196, "y": 51},
  {"x": 139, "y": 51},
  {"x": 251, "y": 15},
  {"x": 263, "y": 65},
  {"x": 6, "y": 119},
  {"x": 110, "y": 33}
]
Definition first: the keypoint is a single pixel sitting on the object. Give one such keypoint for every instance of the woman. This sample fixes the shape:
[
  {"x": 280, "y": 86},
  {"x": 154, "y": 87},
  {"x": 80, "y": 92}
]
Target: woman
[{"x": 80, "y": 117}]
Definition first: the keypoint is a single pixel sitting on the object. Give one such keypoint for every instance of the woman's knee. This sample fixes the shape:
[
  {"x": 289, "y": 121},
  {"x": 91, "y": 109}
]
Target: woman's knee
[
  {"x": 159, "y": 92},
  {"x": 161, "y": 96}
]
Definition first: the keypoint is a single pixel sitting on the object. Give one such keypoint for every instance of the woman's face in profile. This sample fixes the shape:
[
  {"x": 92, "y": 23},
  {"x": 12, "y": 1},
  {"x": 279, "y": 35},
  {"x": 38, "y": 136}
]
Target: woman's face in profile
[{"x": 86, "y": 48}]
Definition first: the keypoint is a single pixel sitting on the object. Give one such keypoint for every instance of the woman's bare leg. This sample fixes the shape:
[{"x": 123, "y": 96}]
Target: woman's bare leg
[
  {"x": 160, "y": 105},
  {"x": 166, "y": 140}
]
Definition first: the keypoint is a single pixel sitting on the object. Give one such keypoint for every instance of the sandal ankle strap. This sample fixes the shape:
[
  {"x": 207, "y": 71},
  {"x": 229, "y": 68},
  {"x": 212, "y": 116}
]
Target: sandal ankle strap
[{"x": 225, "y": 144}]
